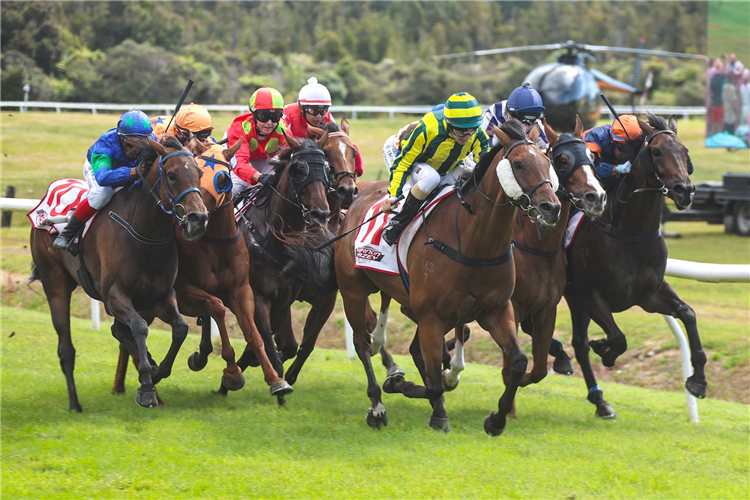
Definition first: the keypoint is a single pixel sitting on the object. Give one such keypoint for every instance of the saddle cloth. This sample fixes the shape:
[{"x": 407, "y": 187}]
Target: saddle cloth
[
  {"x": 53, "y": 212},
  {"x": 371, "y": 252},
  {"x": 570, "y": 233}
]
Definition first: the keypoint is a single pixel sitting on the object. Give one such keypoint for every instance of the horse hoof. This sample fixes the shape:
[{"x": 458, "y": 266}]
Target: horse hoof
[
  {"x": 395, "y": 370},
  {"x": 281, "y": 388},
  {"x": 376, "y": 422},
  {"x": 563, "y": 366},
  {"x": 440, "y": 424},
  {"x": 196, "y": 362},
  {"x": 605, "y": 411},
  {"x": 394, "y": 384},
  {"x": 599, "y": 346},
  {"x": 491, "y": 429},
  {"x": 233, "y": 384},
  {"x": 447, "y": 382},
  {"x": 697, "y": 389},
  {"x": 147, "y": 399}
]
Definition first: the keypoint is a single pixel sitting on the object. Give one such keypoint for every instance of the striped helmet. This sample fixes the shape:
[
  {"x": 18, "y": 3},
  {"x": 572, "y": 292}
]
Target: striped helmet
[
  {"x": 462, "y": 111},
  {"x": 266, "y": 98}
]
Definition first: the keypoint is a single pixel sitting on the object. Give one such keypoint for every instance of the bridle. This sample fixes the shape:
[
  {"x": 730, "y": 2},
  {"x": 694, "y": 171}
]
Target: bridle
[
  {"x": 575, "y": 150},
  {"x": 162, "y": 184},
  {"x": 306, "y": 158},
  {"x": 335, "y": 178},
  {"x": 226, "y": 193}
]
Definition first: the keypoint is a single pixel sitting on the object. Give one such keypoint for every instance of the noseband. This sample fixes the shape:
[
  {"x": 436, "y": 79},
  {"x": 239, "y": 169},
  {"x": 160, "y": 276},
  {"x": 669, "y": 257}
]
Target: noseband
[
  {"x": 173, "y": 200},
  {"x": 575, "y": 149},
  {"x": 335, "y": 178},
  {"x": 306, "y": 158}
]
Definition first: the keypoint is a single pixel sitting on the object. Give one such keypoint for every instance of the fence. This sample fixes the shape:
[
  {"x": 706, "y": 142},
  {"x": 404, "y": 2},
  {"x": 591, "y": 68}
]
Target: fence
[{"x": 684, "y": 111}]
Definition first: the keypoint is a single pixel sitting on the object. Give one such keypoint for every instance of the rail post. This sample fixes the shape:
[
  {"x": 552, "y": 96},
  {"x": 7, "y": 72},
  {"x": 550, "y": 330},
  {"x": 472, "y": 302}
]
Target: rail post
[{"x": 10, "y": 192}]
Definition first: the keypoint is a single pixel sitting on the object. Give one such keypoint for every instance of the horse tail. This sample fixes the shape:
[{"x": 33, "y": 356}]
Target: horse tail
[
  {"x": 35, "y": 276},
  {"x": 306, "y": 266}
]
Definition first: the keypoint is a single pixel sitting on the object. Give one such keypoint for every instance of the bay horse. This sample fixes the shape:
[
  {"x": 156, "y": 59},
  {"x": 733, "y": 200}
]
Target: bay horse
[
  {"x": 277, "y": 228},
  {"x": 130, "y": 259},
  {"x": 213, "y": 271},
  {"x": 618, "y": 261},
  {"x": 340, "y": 153},
  {"x": 448, "y": 287}
]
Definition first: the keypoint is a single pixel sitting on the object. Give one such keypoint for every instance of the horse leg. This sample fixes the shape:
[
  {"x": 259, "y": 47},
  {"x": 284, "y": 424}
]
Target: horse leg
[
  {"x": 501, "y": 324},
  {"x": 580, "y": 321},
  {"x": 562, "y": 364},
  {"x": 615, "y": 344},
  {"x": 666, "y": 301},
  {"x": 378, "y": 333},
  {"x": 59, "y": 288},
  {"x": 171, "y": 316},
  {"x": 544, "y": 327},
  {"x": 286, "y": 343},
  {"x": 428, "y": 356},
  {"x": 232, "y": 377},
  {"x": 243, "y": 306},
  {"x": 316, "y": 318},
  {"x": 198, "y": 360},
  {"x": 122, "y": 309},
  {"x": 122, "y": 370},
  {"x": 451, "y": 375}
]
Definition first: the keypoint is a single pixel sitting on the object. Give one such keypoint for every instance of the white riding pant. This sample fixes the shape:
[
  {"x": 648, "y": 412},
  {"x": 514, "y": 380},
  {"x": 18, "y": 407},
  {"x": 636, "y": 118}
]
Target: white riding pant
[
  {"x": 98, "y": 195},
  {"x": 238, "y": 185}
]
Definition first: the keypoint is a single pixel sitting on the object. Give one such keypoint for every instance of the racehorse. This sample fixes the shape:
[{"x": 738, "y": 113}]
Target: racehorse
[
  {"x": 129, "y": 261},
  {"x": 277, "y": 228},
  {"x": 213, "y": 271},
  {"x": 340, "y": 153},
  {"x": 448, "y": 287},
  {"x": 619, "y": 260}
]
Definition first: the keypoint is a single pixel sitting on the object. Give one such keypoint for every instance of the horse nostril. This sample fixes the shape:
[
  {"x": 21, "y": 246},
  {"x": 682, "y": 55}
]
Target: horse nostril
[
  {"x": 591, "y": 198},
  {"x": 196, "y": 219},
  {"x": 321, "y": 216},
  {"x": 550, "y": 210}
]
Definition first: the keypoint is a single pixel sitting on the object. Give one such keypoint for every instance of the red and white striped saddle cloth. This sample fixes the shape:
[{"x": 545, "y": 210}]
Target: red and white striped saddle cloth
[{"x": 52, "y": 213}]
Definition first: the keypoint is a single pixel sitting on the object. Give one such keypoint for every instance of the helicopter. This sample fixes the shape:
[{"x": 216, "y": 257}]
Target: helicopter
[{"x": 571, "y": 86}]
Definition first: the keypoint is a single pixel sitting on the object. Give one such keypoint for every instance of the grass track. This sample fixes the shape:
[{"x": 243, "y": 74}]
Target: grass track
[{"x": 203, "y": 446}]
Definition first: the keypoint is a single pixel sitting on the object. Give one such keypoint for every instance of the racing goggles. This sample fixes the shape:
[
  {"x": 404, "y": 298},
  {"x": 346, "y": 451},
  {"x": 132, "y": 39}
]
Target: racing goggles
[
  {"x": 315, "y": 110},
  {"x": 203, "y": 135},
  {"x": 527, "y": 120},
  {"x": 263, "y": 115},
  {"x": 461, "y": 133}
]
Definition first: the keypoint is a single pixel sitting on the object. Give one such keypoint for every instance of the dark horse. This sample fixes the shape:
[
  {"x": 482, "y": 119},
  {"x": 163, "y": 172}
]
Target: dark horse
[
  {"x": 340, "y": 153},
  {"x": 618, "y": 261},
  {"x": 461, "y": 270},
  {"x": 213, "y": 271},
  {"x": 131, "y": 257},
  {"x": 276, "y": 229}
]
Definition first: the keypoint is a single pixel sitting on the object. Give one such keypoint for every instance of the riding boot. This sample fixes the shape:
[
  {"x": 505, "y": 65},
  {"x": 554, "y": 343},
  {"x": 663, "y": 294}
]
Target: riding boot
[
  {"x": 68, "y": 234},
  {"x": 401, "y": 219}
]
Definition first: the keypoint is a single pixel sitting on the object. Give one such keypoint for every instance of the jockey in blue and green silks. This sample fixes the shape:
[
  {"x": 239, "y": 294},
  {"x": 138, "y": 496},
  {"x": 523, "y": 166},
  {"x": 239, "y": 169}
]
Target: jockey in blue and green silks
[
  {"x": 430, "y": 154},
  {"x": 110, "y": 162}
]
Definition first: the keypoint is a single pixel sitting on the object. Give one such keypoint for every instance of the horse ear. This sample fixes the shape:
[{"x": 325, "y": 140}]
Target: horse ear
[
  {"x": 293, "y": 143},
  {"x": 645, "y": 127},
  {"x": 504, "y": 139},
  {"x": 578, "y": 132},
  {"x": 317, "y": 132},
  {"x": 534, "y": 134},
  {"x": 230, "y": 152},
  {"x": 551, "y": 134},
  {"x": 345, "y": 125},
  {"x": 161, "y": 150},
  {"x": 323, "y": 139},
  {"x": 673, "y": 123},
  {"x": 195, "y": 146}
]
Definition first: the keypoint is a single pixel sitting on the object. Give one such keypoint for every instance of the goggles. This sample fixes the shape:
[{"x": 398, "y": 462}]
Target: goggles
[
  {"x": 460, "y": 133},
  {"x": 315, "y": 110},
  {"x": 202, "y": 135},
  {"x": 528, "y": 120},
  {"x": 263, "y": 115}
]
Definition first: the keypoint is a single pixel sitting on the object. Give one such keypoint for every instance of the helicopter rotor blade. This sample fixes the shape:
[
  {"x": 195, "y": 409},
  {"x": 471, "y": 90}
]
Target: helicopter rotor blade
[
  {"x": 551, "y": 46},
  {"x": 604, "y": 48}
]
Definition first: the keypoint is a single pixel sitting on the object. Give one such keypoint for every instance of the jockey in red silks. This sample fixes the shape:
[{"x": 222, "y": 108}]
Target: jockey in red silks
[
  {"x": 262, "y": 134},
  {"x": 110, "y": 162},
  {"x": 311, "y": 108}
]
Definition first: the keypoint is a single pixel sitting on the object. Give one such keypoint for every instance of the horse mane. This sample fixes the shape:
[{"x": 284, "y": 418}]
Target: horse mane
[
  {"x": 308, "y": 266},
  {"x": 657, "y": 122},
  {"x": 331, "y": 127},
  {"x": 515, "y": 131}
]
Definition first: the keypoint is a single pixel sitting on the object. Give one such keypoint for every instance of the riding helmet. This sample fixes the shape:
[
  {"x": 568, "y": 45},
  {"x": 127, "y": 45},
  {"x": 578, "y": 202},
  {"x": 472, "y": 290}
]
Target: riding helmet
[
  {"x": 194, "y": 118},
  {"x": 631, "y": 130},
  {"x": 314, "y": 94},
  {"x": 266, "y": 98},
  {"x": 525, "y": 99},
  {"x": 134, "y": 122},
  {"x": 462, "y": 111}
]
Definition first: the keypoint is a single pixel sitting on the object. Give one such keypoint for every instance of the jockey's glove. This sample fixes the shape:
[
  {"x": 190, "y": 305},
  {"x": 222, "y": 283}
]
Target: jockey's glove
[
  {"x": 623, "y": 168},
  {"x": 265, "y": 179}
]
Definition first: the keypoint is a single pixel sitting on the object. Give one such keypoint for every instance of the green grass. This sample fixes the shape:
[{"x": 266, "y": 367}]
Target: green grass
[{"x": 201, "y": 445}]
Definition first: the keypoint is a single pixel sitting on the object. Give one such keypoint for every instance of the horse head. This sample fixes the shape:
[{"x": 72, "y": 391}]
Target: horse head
[
  {"x": 174, "y": 180},
  {"x": 341, "y": 155},
  {"x": 302, "y": 178},
  {"x": 526, "y": 175},
  {"x": 216, "y": 182},
  {"x": 574, "y": 165},
  {"x": 665, "y": 158}
]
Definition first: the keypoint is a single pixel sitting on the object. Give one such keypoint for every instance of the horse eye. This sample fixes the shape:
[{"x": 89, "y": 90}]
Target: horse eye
[
  {"x": 171, "y": 176},
  {"x": 656, "y": 152},
  {"x": 517, "y": 165}
]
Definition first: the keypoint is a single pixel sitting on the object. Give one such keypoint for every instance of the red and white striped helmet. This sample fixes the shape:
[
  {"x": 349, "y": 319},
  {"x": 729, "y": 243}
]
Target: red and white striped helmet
[{"x": 314, "y": 94}]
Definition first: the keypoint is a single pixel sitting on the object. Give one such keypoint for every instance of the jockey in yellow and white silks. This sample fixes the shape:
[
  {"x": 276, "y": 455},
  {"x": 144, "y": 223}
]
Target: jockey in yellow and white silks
[{"x": 430, "y": 154}]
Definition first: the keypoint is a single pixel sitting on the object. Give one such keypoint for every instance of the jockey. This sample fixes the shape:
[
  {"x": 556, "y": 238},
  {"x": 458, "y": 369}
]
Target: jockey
[
  {"x": 525, "y": 105},
  {"x": 190, "y": 120},
  {"x": 262, "y": 134},
  {"x": 429, "y": 154},
  {"x": 608, "y": 142},
  {"x": 311, "y": 108},
  {"x": 110, "y": 162}
]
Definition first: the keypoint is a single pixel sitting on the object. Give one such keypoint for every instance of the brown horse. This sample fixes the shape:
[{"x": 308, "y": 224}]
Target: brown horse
[
  {"x": 340, "y": 153},
  {"x": 131, "y": 257},
  {"x": 276, "y": 230},
  {"x": 618, "y": 261},
  {"x": 213, "y": 271},
  {"x": 448, "y": 287}
]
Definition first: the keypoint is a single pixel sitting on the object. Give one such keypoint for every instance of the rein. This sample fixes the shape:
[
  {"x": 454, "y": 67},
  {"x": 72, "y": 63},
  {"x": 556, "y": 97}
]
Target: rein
[
  {"x": 649, "y": 171},
  {"x": 174, "y": 200}
]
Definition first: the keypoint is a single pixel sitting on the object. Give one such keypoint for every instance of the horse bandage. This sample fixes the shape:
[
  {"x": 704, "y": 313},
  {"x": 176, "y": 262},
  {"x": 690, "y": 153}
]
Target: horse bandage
[{"x": 510, "y": 184}]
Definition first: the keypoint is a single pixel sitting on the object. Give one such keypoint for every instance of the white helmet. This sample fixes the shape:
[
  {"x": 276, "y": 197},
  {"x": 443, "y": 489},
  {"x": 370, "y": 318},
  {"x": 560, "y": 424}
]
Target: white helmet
[{"x": 314, "y": 94}]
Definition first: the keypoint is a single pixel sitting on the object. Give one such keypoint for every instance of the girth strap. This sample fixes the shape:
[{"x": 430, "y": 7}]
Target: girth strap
[
  {"x": 469, "y": 261},
  {"x": 134, "y": 234},
  {"x": 535, "y": 251}
]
